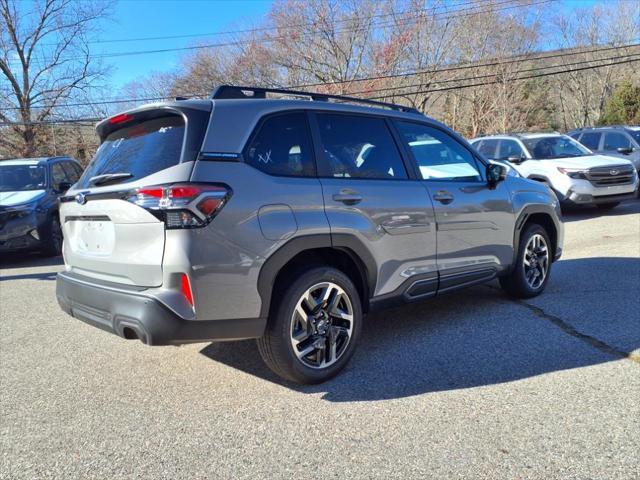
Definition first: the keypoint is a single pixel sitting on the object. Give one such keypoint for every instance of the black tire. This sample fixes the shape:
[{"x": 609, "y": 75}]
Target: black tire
[
  {"x": 53, "y": 238},
  {"x": 608, "y": 206},
  {"x": 276, "y": 346},
  {"x": 516, "y": 284}
]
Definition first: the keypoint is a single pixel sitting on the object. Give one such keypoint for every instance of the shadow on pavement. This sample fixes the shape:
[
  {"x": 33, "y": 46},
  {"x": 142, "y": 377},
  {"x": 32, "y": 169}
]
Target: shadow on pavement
[
  {"x": 28, "y": 260},
  {"x": 476, "y": 337},
  {"x": 574, "y": 214}
]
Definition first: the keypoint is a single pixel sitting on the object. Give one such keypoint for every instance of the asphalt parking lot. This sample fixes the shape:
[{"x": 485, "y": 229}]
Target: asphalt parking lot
[{"x": 469, "y": 385}]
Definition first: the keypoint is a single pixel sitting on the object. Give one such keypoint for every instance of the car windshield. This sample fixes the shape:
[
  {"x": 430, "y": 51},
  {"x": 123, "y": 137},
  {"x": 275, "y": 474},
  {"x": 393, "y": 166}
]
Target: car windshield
[
  {"x": 554, "y": 146},
  {"x": 635, "y": 133},
  {"x": 18, "y": 178}
]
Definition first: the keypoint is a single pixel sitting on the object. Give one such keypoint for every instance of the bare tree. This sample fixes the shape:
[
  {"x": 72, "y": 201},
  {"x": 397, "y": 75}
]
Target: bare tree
[
  {"x": 614, "y": 23},
  {"x": 45, "y": 59}
]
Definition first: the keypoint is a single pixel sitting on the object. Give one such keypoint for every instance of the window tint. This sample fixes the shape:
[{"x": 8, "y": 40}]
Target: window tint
[
  {"x": 283, "y": 147},
  {"x": 575, "y": 135},
  {"x": 71, "y": 171},
  {"x": 58, "y": 175},
  {"x": 359, "y": 147},
  {"x": 554, "y": 146},
  {"x": 439, "y": 156},
  {"x": 615, "y": 140},
  {"x": 140, "y": 149},
  {"x": 488, "y": 148},
  {"x": 510, "y": 148},
  {"x": 590, "y": 140}
]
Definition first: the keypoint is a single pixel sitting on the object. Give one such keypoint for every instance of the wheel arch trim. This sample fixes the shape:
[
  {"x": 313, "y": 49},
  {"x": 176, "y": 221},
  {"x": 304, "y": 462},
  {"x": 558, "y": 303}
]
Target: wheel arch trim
[{"x": 349, "y": 244}]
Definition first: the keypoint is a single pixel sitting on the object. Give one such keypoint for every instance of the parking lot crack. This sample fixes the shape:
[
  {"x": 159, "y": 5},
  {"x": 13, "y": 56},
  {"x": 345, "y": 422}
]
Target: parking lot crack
[{"x": 569, "y": 329}]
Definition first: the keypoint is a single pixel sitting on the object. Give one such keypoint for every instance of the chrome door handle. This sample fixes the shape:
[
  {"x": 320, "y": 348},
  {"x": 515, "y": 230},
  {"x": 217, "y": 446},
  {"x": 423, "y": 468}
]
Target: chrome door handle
[
  {"x": 443, "y": 197},
  {"x": 351, "y": 198}
]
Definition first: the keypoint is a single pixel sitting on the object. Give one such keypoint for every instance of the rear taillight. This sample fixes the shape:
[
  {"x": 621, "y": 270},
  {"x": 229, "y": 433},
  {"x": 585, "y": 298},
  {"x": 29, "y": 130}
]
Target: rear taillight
[{"x": 184, "y": 205}]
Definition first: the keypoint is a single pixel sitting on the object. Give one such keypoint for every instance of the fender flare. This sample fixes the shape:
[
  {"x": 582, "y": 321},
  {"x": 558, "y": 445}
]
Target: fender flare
[
  {"x": 524, "y": 215},
  {"x": 350, "y": 244}
]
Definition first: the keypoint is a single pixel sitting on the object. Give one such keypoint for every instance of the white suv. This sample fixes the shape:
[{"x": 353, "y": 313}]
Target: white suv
[{"x": 575, "y": 173}]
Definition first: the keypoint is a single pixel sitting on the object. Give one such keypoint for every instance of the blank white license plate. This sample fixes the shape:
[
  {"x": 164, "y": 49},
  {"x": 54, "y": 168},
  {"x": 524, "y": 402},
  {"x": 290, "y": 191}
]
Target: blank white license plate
[{"x": 95, "y": 237}]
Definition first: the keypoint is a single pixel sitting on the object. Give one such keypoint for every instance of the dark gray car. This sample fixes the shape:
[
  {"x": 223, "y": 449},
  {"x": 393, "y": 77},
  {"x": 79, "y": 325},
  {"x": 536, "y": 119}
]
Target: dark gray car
[
  {"x": 287, "y": 221},
  {"x": 621, "y": 141}
]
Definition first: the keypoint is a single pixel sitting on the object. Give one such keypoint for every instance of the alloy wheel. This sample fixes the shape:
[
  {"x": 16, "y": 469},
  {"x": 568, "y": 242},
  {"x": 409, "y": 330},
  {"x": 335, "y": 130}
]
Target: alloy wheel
[
  {"x": 322, "y": 325},
  {"x": 536, "y": 261}
]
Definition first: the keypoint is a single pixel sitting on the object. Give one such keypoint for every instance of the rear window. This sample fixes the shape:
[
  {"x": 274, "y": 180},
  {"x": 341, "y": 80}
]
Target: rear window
[{"x": 140, "y": 149}]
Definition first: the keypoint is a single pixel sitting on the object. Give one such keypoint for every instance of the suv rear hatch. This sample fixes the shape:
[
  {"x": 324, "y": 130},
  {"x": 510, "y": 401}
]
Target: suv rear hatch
[{"x": 113, "y": 229}]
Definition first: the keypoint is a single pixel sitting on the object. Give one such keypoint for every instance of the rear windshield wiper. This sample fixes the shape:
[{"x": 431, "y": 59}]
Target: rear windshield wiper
[{"x": 109, "y": 177}]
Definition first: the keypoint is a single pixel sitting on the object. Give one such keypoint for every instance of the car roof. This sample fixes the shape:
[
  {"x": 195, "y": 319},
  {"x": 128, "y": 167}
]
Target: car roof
[
  {"x": 32, "y": 161},
  {"x": 516, "y": 136},
  {"x": 607, "y": 127}
]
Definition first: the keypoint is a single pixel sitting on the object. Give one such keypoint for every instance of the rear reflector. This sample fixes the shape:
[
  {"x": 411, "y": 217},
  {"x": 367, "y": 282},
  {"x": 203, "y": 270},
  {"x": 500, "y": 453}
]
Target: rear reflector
[{"x": 186, "y": 289}]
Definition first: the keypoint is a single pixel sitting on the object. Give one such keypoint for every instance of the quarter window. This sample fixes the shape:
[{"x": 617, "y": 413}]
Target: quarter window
[
  {"x": 591, "y": 140},
  {"x": 615, "y": 140},
  {"x": 282, "y": 146},
  {"x": 439, "y": 156},
  {"x": 359, "y": 147}
]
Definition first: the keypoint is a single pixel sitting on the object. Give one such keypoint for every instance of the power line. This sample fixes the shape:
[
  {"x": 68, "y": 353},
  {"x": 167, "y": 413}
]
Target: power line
[
  {"x": 512, "y": 60},
  {"x": 403, "y": 94},
  {"x": 444, "y": 6},
  {"x": 482, "y": 84},
  {"x": 490, "y": 75},
  {"x": 449, "y": 15}
]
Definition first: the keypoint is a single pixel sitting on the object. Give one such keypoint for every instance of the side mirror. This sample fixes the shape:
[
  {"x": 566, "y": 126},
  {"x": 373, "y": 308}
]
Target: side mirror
[
  {"x": 515, "y": 159},
  {"x": 495, "y": 174},
  {"x": 63, "y": 187},
  {"x": 625, "y": 150}
]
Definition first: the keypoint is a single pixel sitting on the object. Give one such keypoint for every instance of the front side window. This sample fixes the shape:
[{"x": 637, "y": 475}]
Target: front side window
[
  {"x": 72, "y": 172},
  {"x": 488, "y": 148},
  {"x": 19, "y": 178},
  {"x": 58, "y": 175},
  {"x": 509, "y": 149},
  {"x": 616, "y": 140},
  {"x": 359, "y": 147},
  {"x": 548, "y": 147},
  {"x": 282, "y": 146},
  {"x": 591, "y": 140},
  {"x": 439, "y": 156}
]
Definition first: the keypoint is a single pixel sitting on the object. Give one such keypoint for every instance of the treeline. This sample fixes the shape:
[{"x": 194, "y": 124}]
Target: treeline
[{"x": 480, "y": 66}]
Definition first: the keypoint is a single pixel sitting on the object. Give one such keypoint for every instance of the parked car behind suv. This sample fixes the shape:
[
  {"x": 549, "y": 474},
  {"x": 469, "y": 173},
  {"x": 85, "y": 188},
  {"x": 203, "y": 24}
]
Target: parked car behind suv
[
  {"x": 615, "y": 140},
  {"x": 575, "y": 174},
  {"x": 245, "y": 216},
  {"x": 29, "y": 191}
]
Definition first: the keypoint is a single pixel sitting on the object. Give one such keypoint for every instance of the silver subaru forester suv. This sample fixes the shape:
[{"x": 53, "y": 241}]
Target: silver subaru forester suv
[{"x": 287, "y": 220}]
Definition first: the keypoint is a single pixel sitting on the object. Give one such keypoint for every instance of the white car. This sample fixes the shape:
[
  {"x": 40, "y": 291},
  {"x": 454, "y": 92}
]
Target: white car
[{"x": 572, "y": 171}]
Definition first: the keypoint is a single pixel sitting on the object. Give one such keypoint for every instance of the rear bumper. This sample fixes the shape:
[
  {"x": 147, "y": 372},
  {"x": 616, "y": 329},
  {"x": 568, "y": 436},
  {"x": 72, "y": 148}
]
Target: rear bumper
[{"x": 131, "y": 314}]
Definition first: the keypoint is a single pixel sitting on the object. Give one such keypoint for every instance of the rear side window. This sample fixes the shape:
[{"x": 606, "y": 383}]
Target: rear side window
[
  {"x": 283, "y": 146},
  {"x": 439, "y": 156},
  {"x": 591, "y": 140},
  {"x": 140, "y": 149},
  {"x": 356, "y": 146},
  {"x": 488, "y": 148},
  {"x": 615, "y": 140}
]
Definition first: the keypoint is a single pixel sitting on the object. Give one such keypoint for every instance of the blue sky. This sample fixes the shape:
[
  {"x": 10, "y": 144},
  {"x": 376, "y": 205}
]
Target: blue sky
[{"x": 148, "y": 18}]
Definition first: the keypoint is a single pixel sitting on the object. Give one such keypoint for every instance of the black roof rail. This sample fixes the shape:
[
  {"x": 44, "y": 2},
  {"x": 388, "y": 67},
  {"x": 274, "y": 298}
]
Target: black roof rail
[{"x": 242, "y": 92}]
